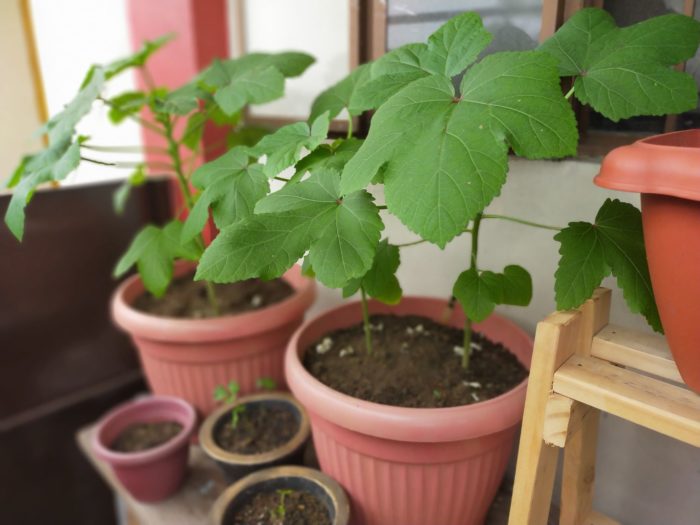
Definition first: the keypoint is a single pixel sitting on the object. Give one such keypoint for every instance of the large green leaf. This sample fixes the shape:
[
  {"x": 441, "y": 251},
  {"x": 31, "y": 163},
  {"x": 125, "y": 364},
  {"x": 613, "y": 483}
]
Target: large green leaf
[
  {"x": 51, "y": 164},
  {"x": 473, "y": 293},
  {"x": 289, "y": 63},
  {"x": 285, "y": 146},
  {"x": 154, "y": 250},
  {"x": 590, "y": 252},
  {"x": 126, "y": 104},
  {"x": 624, "y": 72},
  {"x": 380, "y": 281},
  {"x": 250, "y": 86},
  {"x": 139, "y": 58},
  {"x": 231, "y": 186},
  {"x": 341, "y": 235},
  {"x": 327, "y": 156},
  {"x": 446, "y": 155}
]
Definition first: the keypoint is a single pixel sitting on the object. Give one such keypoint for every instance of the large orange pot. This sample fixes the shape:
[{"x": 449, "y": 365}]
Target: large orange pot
[
  {"x": 665, "y": 169},
  {"x": 187, "y": 358},
  {"x": 410, "y": 466}
]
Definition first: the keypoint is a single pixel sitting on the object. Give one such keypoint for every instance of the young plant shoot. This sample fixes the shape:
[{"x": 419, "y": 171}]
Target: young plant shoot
[
  {"x": 228, "y": 187},
  {"x": 447, "y": 114},
  {"x": 229, "y": 394}
]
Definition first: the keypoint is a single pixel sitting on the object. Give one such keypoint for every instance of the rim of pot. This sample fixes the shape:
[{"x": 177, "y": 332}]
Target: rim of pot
[
  {"x": 426, "y": 425},
  {"x": 330, "y": 486},
  {"x": 105, "y": 453},
  {"x": 230, "y": 326},
  {"x": 213, "y": 450}
]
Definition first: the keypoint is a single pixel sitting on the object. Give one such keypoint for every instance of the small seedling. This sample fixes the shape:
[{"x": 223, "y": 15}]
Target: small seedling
[
  {"x": 229, "y": 394},
  {"x": 266, "y": 383},
  {"x": 279, "y": 512}
]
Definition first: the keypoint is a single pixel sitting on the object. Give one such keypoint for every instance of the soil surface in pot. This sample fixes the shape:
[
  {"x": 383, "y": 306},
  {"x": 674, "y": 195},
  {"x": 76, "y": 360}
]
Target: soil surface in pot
[
  {"x": 142, "y": 436},
  {"x": 188, "y": 299},
  {"x": 300, "y": 508},
  {"x": 259, "y": 429},
  {"x": 415, "y": 363}
]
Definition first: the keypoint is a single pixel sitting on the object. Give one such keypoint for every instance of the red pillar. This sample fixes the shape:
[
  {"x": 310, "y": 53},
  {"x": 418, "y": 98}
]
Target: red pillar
[{"x": 201, "y": 34}]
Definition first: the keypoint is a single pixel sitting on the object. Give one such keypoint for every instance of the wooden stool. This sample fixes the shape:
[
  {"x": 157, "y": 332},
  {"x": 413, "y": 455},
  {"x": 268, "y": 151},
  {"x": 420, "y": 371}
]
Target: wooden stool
[{"x": 579, "y": 367}]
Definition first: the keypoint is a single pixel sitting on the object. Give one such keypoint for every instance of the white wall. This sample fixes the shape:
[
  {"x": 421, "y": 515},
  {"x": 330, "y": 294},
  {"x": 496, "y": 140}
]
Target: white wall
[
  {"x": 643, "y": 477},
  {"x": 72, "y": 35}
]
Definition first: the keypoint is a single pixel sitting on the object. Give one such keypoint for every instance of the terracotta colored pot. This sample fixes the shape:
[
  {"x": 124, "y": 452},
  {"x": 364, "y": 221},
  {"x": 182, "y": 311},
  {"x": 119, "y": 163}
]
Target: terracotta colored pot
[
  {"x": 281, "y": 478},
  {"x": 234, "y": 465},
  {"x": 156, "y": 473},
  {"x": 413, "y": 466},
  {"x": 665, "y": 169},
  {"x": 188, "y": 358}
]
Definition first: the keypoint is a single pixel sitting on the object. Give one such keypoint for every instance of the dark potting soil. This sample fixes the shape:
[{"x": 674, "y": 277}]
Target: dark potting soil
[
  {"x": 300, "y": 508},
  {"x": 142, "y": 436},
  {"x": 188, "y": 299},
  {"x": 415, "y": 363},
  {"x": 259, "y": 429}
]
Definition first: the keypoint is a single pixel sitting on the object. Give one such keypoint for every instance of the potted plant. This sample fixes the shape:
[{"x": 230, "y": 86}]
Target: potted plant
[
  {"x": 255, "y": 431},
  {"x": 146, "y": 442},
  {"x": 190, "y": 335},
  {"x": 281, "y": 496},
  {"x": 405, "y": 408}
]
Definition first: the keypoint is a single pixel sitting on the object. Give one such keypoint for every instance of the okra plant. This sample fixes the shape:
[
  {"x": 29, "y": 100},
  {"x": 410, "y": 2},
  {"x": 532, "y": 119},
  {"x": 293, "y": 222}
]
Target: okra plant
[
  {"x": 227, "y": 187},
  {"x": 446, "y": 118},
  {"x": 280, "y": 511},
  {"x": 229, "y": 394}
]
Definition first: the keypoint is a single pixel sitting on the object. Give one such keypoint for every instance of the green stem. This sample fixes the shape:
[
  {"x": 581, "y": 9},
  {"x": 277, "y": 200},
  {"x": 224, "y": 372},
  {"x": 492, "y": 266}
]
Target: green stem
[
  {"x": 174, "y": 152},
  {"x": 472, "y": 266},
  {"x": 365, "y": 321},
  {"x": 136, "y": 118},
  {"x": 123, "y": 149},
  {"x": 569, "y": 93},
  {"x": 126, "y": 165},
  {"x": 349, "y": 135},
  {"x": 521, "y": 221}
]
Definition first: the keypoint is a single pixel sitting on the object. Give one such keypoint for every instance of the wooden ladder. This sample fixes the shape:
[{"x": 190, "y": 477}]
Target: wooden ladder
[{"x": 580, "y": 366}]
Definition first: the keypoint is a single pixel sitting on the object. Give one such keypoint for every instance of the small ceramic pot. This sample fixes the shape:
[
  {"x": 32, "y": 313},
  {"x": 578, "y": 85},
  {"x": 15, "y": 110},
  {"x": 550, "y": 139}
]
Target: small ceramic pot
[
  {"x": 411, "y": 466},
  {"x": 296, "y": 478},
  {"x": 156, "y": 473},
  {"x": 234, "y": 465},
  {"x": 665, "y": 169},
  {"x": 187, "y": 358}
]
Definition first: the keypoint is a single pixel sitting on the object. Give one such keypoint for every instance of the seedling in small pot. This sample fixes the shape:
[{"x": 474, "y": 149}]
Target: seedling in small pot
[
  {"x": 279, "y": 512},
  {"x": 446, "y": 117},
  {"x": 229, "y": 394}
]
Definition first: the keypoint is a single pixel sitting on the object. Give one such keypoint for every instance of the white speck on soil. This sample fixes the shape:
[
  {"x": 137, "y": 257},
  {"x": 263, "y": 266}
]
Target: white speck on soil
[
  {"x": 472, "y": 384},
  {"x": 256, "y": 300},
  {"x": 475, "y": 346},
  {"x": 458, "y": 350},
  {"x": 474, "y": 396},
  {"x": 325, "y": 345},
  {"x": 347, "y": 351}
]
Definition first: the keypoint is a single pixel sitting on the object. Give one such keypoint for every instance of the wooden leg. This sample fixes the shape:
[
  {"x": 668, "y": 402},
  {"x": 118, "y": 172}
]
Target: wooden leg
[{"x": 579, "y": 471}]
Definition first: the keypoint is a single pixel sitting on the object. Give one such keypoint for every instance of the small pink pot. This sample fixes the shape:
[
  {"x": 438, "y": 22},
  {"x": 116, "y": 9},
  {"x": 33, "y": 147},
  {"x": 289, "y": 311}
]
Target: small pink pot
[
  {"x": 413, "y": 466},
  {"x": 188, "y": 358},
  {"x": 154, "y": 474}
]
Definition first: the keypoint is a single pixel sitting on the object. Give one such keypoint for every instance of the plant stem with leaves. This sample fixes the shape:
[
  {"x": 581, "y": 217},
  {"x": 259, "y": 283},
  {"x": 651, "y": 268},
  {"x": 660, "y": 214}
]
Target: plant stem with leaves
[{"x": 476, "y": 224}]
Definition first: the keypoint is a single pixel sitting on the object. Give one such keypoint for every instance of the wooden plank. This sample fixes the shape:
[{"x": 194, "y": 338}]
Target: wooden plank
[
  {"x": 659, "y": 406},
  {"x": 552, "y": 17},
  {"x": 635, "y": 349},
  {"x": 579, "y": 471},
  {"x": 190, "y": 505},
  {"x": 563, "y": 416}
]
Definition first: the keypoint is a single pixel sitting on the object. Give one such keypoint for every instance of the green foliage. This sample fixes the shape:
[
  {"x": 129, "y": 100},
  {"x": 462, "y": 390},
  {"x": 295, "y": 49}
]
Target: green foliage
[
  {"x": 139, "y": 58},
  {"x": 280, "y": 511},
  {"x": 229, "y": 394},
  {"x": 380, "y": 281},
  {"x": 613, "y": 244},
  {"x": 341, "y": 235},
  {"x": 121, "y": 195},
  {"x": 479, "y": 292},
  {"x": 285, "y": 146},
  {"x": 127, "y": 104},
  {"x": 266, "y": 383},
  {"x": 339, "y": 96},
  {"x": 327, "y": 157},
  {"x": 153, "y": 251},
  {"x": 627, "y": 72},
  {"x": 231, "y": 185}
]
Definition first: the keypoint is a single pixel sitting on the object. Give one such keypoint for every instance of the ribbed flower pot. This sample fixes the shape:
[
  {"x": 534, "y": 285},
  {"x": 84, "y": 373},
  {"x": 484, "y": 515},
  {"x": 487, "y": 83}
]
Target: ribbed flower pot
[
  {"x": 154, "y": 474},
  {"x": 188, "y": 358},
  {"x": 665, "y": 169},
  {"x": 410, "y": 466}
]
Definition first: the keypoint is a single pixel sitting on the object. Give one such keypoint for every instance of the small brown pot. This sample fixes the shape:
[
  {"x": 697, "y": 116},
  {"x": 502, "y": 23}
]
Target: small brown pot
[
  {"x": 297, "y": 478},
  {"x": 235, "y": 466},
  {"x": 665, "y": 169}
]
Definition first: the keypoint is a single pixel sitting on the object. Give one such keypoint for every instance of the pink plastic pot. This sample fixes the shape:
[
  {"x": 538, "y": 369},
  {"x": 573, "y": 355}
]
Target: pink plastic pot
[
  {"x": 410, "y": 466},
  {"x": 665, "y": 169},
  {"x": 154, "y": 474},
  {"x": 187, "y": 358}
]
